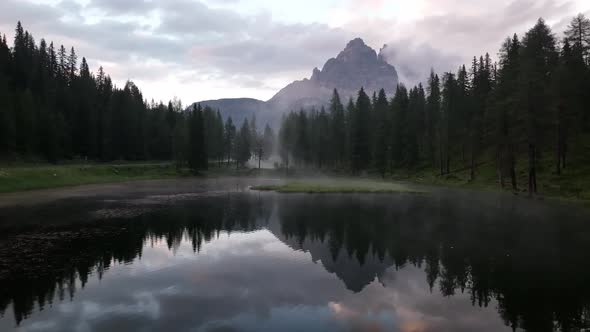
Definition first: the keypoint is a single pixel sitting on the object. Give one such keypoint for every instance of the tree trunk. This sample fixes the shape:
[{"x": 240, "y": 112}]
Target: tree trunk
[
  {"x": 500, "y": 167},
  {"x": 559, "y": 146},
  {"x": 287, "y": 164},
  {"x": 532, "y": 170},
  {"x": 463, "y": 154},
  {"x": 442, "y": 170},
  {"x": 513, "y": 169},
  {"x": 563, "y": 153},
  {"x": 472, "y": 172},
  {"x": 448, "y": 163}
]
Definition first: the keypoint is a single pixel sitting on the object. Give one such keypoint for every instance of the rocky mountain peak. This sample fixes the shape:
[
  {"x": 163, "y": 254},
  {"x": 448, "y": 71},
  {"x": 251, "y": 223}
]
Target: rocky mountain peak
[
  {"x": 356, "y": 66},
  {"x": 315, "y": 74},
  {"x": 357, "y": 51}
]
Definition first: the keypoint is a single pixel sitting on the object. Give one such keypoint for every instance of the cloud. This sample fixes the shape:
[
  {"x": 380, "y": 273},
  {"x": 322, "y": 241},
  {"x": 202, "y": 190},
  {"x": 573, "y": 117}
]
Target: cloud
[
  {"x": 234, "y": 53},
  {"x": 414, "y": 62},
  {"x": 123, "y": 7},
  {"x": 447, "y": 33}
]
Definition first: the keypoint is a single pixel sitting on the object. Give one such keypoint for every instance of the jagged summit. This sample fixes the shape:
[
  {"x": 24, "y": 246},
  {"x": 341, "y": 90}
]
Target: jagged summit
[
  {"x": 356, "y": 66},
  {"x": 357, "y": 51}
]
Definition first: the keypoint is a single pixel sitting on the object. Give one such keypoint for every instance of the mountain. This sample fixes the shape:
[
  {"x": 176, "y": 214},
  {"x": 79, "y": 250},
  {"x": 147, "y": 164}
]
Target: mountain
[
  {"x": 239, "y": 108},
  {"x": 358, "y": 65}
]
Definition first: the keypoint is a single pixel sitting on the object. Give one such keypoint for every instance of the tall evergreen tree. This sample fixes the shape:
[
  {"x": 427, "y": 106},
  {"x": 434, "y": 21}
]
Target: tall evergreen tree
[
  {"x": 506, "y": 109},
  {"x": 383, "y": 132},
  {"x": 578, "y": 35},
  {"x": 538, "y": 60},
  {"x": 448, "y": 113},
  {"x": 432, "y": 116},
  {"x": 361, "y": 134},
  {"x": 243, "y": 145},
  {"x": 197, "y": 155},
  {"x": 414, "y": 126},
  {"x": 229, "y": 136},
  {"x": 399, "y": 112},
  {"x": 337, "y": 130}
]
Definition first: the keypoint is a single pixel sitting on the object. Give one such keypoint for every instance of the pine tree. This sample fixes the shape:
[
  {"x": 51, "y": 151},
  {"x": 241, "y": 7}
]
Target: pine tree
[
  {"x": 578, "y": 35},
  {"x": 243, "y": 145},
  {"x": 287, "y": 134},
  {"x": 337, "y": 130},
  {"x": 322, "y": 144},
  {"x": 383, "y": 139},
  {"x": 361, "y": 134},
  {"x": 269, "y": 140},
  {"x": 538, "y": 60},
  {"x": 414, "y": 126},
  {"x": 301, "y": 152},
  {"x": 433, "y": 105},
  {"x": 197, "y": 154},
  {"x": 219, "y": 137},
  {"x": 506, "y": 110},
  {"x": 229, "y": 134},
  {"x": 19, "y": 55},
  {"x": 448, "y": 113},
  {"x": 399, "y": 113},
  {"x": 72, "y": 66},
  {"x": 350, "y": 115}
]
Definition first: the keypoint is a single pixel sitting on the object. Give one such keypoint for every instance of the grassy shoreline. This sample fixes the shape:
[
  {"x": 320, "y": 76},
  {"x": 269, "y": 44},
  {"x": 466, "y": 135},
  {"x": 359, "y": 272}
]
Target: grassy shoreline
[
  {"x": 34, "y": 177},
  {"x": 572, "y": 186}
]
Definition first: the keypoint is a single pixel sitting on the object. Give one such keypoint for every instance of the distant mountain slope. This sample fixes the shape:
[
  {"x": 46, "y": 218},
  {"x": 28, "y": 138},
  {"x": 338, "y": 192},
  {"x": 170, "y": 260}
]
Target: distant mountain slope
[
  {"x": 238, "y": 108},
  {"x": 356, "y": 66}
]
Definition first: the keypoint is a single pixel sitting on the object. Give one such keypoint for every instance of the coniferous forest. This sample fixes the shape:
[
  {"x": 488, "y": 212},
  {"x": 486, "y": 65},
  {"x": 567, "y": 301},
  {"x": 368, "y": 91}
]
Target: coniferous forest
[
  {"x": 512, "y": 114},
  {"x": 529, "y": 106},
  {"x": 53, "y": 108}
]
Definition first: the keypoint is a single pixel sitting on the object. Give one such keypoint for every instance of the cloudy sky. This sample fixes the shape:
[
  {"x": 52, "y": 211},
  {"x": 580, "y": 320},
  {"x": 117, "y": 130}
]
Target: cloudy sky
[{"x": 209, "y": 49}]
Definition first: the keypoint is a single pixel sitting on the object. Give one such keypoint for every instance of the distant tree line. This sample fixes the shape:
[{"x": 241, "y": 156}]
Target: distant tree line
[
  {"x": 53, "y": 108},
  {"x": 535, "y": 101}
]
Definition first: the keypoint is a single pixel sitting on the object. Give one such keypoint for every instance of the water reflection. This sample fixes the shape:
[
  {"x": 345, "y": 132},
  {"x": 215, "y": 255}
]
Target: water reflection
[{"x": 254, "y": 262}]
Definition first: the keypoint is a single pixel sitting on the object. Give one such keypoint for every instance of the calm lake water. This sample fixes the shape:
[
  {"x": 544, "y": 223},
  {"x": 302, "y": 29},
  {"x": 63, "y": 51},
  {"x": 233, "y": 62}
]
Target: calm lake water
[{"x": 238, "y": 260}]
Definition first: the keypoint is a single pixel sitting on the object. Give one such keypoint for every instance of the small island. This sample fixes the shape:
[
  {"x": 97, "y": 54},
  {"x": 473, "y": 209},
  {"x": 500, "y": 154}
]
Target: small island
[{"x": 340, "y": 186}]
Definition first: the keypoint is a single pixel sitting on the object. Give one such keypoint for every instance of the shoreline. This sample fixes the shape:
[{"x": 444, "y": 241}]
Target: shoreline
[{"x": 54, "y": 179}]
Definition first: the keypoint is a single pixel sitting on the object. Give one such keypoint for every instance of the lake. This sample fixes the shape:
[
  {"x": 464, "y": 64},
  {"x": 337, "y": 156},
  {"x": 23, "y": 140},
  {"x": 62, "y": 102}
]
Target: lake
[{"x": 220, "y": 257}]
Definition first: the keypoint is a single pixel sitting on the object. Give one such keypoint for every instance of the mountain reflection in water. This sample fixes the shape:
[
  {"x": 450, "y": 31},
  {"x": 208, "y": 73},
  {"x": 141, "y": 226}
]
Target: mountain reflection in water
[{"x": 255, "y": 262}]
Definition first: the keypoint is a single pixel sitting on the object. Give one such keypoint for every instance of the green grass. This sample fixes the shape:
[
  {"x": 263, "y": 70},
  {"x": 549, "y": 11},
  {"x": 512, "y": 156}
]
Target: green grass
[
  {"x": 322, "y": 186},
  {"x": 572, "y": 185},
  {"x": 53, "y": 176}
]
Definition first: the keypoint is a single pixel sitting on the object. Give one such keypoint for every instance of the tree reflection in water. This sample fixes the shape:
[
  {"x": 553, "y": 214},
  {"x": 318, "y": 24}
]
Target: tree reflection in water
[{"x": 532, "y": 263}]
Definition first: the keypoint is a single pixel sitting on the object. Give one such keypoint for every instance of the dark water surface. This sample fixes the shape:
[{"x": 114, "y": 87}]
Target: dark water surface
[{"x": 237, "y": 260}]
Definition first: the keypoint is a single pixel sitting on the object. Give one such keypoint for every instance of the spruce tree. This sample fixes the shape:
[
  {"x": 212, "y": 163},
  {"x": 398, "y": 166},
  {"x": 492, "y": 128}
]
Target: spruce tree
[
  {"x": 337, "y": 130},
  {"x": 361, "y": 134},
  {"x": 383, "y": 131},
  {"x": 197, "y": 154},
  {"x": 506, "y": 111},
  {"x": 229, "y": 136},
  {"x": 538, "y": 60},
  {"x": 243, "y": 145},
  {"x": 269, "y": 140},
  {"x": 399, "y": 113},
  {"x": 432, "y": 117}
]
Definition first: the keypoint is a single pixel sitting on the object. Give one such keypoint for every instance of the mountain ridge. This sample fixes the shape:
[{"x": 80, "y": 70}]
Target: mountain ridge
[{"x": 356, "y": 66}]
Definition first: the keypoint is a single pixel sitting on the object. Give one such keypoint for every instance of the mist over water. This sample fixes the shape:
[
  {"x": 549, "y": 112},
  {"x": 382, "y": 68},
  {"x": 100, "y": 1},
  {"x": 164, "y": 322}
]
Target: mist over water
[{"x": 248, "y": 261}]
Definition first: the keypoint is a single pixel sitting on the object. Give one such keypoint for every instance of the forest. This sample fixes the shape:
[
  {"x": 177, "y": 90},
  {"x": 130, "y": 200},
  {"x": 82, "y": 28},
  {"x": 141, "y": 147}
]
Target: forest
[
  {"x": 532, "y": 104},
  {"x": 529, "y": 106},
  {"x": 54, "y": 109}
]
